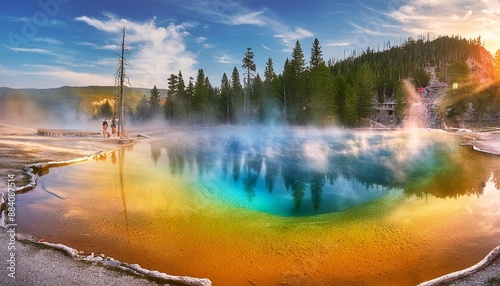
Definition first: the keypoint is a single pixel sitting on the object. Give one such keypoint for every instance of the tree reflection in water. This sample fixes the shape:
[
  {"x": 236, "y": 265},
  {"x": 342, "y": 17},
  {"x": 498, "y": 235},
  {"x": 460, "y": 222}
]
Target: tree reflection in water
[{"x": 345, "y": 165}]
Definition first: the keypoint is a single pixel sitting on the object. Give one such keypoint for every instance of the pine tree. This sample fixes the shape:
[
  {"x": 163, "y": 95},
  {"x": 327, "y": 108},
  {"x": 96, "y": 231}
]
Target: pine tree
[
  {"x": 322, "y": 94},
  {"x": 142, "y": 109},
  {"x": 457, "y": 98},
  {"x": 250, "y": 67},
  {"x": 189, "y": 96},
  {"x": 298, "y": 95},
  {"x": 287, "y": 87},
  {"x": 298, "y": 61},
  {"x": 172, "y": 82},
  {"x": 365, "y": 91},
  {"x": 256, "y": 105},
  {"x": 236, "y": 97},
  {"x": 269, "y": 74},
  {"x": 479, "y": 98},
  {"x": 210, "y": 109},
  {"x": 105, "y": 110},
  {"x": 225, "y": 103},
  {"x": 316, "y": 55},
  {"x": 271, "y": 97},
  {"x": 496, "y": 64},
  {"x": 339, "y": 96},
  {"x": 200, "y": 98},
  {"x": 321, "y": 87},
  {"x": 351, "y": 107},
  {"x": 172, "y": 94},
  {"x": 181, "y": 102},
  {"x": 455, "y": 104},
  {"x": 154, "y": 102},
  {"x": 459, "y": 72},
  {"x": 421, "y": 78}
]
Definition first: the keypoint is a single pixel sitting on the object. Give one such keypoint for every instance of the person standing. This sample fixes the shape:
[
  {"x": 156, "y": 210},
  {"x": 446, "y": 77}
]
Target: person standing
[
  {"x": 105, "y": 127},
  {"x": 113, "y": 127}
]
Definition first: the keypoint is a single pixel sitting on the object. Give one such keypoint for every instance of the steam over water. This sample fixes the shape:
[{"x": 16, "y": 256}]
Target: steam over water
[
  {"x": 271, "y": 206},
  {"x": 300, "y": 172}
]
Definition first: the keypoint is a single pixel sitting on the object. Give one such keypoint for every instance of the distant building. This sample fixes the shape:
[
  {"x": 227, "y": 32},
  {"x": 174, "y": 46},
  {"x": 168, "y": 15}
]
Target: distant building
[{"x": 384, "y": 112}]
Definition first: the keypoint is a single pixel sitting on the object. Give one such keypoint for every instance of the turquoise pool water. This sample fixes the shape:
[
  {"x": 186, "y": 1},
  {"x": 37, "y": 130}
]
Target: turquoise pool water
[
  {"x": 293, "y": 206},
  {"x": 301, "y": 172}
]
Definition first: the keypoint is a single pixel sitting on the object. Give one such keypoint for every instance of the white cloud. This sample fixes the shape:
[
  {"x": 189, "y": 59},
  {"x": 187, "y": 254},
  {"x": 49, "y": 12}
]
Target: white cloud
[
  {"x": 225, "y": 59},
  {"x": 336, "y": 44},
  {"x": 372, "y": 29},
  {"x": 112, "y": 25},
  {"x": 30, "y": 50},
  {"x": 266, "y": 47},
  {"x": 289, "y": 37},
  {"x": 110, "y": 47},
  {"x": 234, "y": 13},
  {"x": 73, "y": 78},
  {"x": 469, "y": 13},
  {"x": 154, "y": 51},
  {"x": 6, "y": 72},
  {"x": 47, "y": 76},
  {"x": 203, "y": 41},
  {"x": 230, "y": 12},
  {"x": 48, "y": 41},
  {"x": 469, "y": 19},
  {"x": 106, "y": 62},
  {"x": 200, "y": 40},
  {"x": 253, "y": 18}
]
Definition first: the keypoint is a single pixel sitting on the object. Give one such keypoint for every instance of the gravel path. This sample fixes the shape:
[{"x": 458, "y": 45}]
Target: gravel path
[
  {"x": 36, "y": 265},
  {"x": 488, "y": 277}
]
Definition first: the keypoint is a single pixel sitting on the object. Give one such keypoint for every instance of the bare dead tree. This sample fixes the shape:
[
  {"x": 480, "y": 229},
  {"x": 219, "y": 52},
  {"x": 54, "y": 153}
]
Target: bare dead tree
[{"x": 120, "y": 80}]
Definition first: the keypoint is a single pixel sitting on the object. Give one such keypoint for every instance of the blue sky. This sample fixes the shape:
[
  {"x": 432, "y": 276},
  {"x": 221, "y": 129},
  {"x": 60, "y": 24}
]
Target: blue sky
[{"x": 52, "y": 43}]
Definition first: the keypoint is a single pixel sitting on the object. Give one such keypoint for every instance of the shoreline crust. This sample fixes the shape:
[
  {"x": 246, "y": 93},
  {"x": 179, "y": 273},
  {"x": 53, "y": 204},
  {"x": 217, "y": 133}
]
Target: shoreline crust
[
  {"x": 132, "y": 269},
  {"x": 492, "y": 256},
  {"x": 135, "y": 269}
]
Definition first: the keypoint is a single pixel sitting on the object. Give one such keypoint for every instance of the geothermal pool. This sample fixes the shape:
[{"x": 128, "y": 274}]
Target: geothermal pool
[{"x": 277, "y": 206}]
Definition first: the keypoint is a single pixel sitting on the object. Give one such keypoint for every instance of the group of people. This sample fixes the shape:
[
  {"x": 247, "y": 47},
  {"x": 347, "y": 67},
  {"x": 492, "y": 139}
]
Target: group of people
[{"x": 105, "y": 132}]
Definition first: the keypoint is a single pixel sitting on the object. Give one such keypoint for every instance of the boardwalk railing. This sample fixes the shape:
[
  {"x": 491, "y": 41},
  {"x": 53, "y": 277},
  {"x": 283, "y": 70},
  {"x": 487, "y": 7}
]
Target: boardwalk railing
[
  {"x": 67, "y": 132},
  {"x": 132, "y": 132}
]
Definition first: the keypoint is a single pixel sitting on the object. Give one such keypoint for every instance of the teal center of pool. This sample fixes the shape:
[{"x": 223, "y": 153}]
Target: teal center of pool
[{"x": 301, "y": 173}]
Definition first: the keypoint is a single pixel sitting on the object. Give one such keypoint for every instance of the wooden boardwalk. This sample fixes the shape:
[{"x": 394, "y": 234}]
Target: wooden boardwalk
[
  {"x": 142, "y": 133},
  {"x": 67, "y": 132}
]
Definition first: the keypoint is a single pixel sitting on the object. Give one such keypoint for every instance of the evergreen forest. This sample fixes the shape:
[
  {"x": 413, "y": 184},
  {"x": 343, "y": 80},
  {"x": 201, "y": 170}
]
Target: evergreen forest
[{"x": 312, "y": 91}]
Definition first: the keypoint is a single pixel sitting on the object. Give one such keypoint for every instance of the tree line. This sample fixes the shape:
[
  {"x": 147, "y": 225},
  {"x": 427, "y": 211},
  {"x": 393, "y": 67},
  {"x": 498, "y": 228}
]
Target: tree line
[{"x": 340, "y": 92}]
